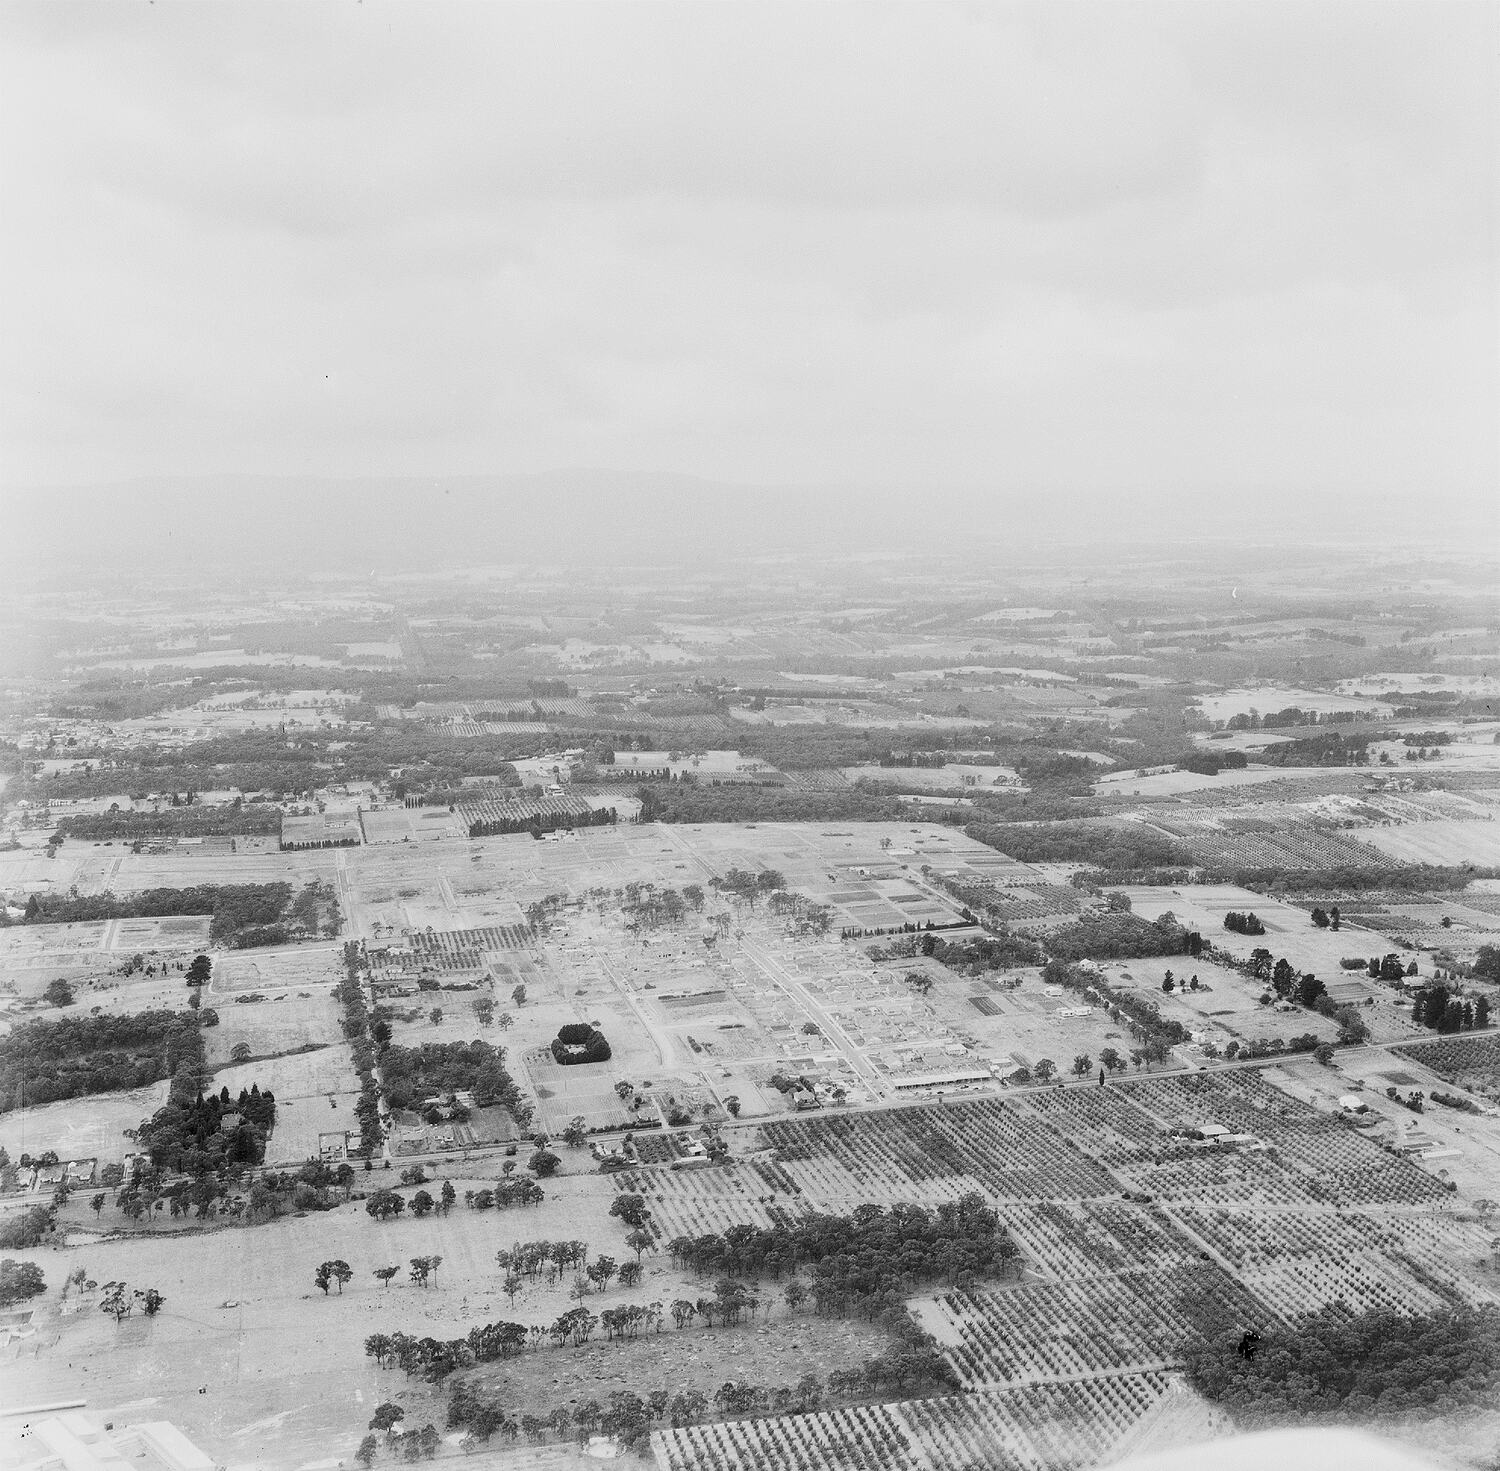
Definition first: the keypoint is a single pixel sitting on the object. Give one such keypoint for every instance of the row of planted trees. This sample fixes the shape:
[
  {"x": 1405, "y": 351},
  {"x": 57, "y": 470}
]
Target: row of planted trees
[{"x": 356, "y": 1027}]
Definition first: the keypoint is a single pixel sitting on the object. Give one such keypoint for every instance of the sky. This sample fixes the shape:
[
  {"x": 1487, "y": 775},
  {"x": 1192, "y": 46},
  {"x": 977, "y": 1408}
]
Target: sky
[{"x": 1125, "y": 253}]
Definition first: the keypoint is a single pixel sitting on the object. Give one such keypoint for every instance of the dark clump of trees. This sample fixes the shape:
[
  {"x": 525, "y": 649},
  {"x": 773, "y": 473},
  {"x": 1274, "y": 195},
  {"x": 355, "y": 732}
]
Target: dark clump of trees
[
  {"x": 579, "y": 1042},
  {"x": 693, "y": 802},
  {"x": 538, "y": 823},
  {"x": 1000, "y": 951},
  {"x": 19, "y": 1281},
  {"x": 1244, "y": 923},
  {"x": 866, "y": 1263},
  {"x": 1333, "y": 1367},
  {"x": 234, "y": 820},
  {"x": 1118, "y": 935},
  {"x": 1333, "y": 748},
  {"x": 231, "y": 905},
  {"x": 414, "y": 1073},
  {"x": 241, "y": 915},
  {"x": 43, "y": 1061},
  {"x": 1449, "y": 1011},
  {"x": 200, "y": 1134},
  {"x": 26, "y": 1228},
  {"x": 1098, "y": 844}
]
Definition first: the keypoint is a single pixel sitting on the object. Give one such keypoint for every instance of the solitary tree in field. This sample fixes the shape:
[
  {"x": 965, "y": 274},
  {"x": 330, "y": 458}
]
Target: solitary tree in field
[
  {"x": 1045, "y": 1070},
  {"x": 518, "y": 995},
  {"x": 640, "y": 1240},
  {"x": 449, "y": 1195},
  {"x": 116, "y": 1301},
  {"x": 1082, "y": 1064},
  {"x": 385, "y": 1274}
]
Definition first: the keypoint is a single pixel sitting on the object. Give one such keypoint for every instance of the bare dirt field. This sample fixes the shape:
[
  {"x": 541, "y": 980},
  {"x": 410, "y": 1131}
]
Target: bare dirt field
[{"x": 81, "y": 1128}]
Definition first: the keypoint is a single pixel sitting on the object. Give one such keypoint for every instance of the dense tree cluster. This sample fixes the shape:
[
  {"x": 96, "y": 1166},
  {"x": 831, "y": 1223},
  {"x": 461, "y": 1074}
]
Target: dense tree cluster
[
  {"x": 971, "y": 955},
  {"x": 242, "y": 915},
  {"x": 440, "y": 1068},
  {"x": 236, "y": 819},
  {"x": 26, "y": 1228},
  {"x": 868, "y": 1262},
  {"x": 1449, "y": 1011},
  {"x": 205, "y": 1134},
  {"x": 578, "y": 1043},
  {"x": 1332, "y": 1366},
  {"x": 1331, "y": 748},
  {"x": 42, "y": 1060},
  {"x": 538, "y": 823},
  {"x": 1100, "y": 845},
  {"x": 1244, "y": 922},
  {"x": 231, "y": 905},
  {"x": 1119, "y": 935},
  {"x": 690, "y": 802},
  {"x": 20, "y": 1281}
]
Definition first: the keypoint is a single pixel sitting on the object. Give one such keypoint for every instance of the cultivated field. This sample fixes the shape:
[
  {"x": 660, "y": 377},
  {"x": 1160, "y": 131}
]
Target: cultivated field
[{"x": 1444, "y": 843}]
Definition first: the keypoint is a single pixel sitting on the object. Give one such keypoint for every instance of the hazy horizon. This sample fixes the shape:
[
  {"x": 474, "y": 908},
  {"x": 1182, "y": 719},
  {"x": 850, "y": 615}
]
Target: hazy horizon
[{"x": 1146, "y": 267}]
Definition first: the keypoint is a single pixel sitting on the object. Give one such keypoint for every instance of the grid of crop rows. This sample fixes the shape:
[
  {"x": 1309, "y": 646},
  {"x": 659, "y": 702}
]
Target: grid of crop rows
[
  {"x": 1457, "y": 1057},
  {"x": 1098, "y": 1325},
  {"x": 450, "y": 950},
  {"x": 1107, "y": 1121},
  {"x": 695, "y": 1202},
  {"x": 982, "y": 1144},
  {"x": 1038, "y": 1428},
  {"x": 521, "y": 809},
  {"x": 1300, "y": 1264},
  {"x": 1087, "y": 1238}
]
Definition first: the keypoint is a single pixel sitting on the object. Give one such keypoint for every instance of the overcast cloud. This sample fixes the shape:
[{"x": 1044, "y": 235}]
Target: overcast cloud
[{"x": 1096, "y": 248}]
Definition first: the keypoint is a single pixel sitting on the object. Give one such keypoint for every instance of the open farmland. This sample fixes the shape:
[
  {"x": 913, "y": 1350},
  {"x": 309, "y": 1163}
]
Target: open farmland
[
  {"x": 81, "y": 1128},
  {"x": 1077, "y": 1358},
  {"x": 287, "y": 1378},
  {"x": 1450, "y": 843}
]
